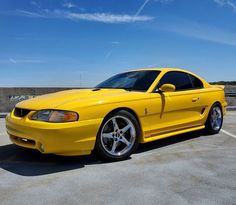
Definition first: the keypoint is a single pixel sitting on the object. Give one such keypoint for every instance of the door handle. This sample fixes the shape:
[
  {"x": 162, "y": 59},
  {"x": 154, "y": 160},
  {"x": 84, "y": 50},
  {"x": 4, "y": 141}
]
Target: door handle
[{"x": 195, "y": 99}]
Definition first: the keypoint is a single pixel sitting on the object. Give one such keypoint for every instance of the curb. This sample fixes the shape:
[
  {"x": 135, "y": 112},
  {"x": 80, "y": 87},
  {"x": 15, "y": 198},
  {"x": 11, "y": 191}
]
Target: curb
[
  {"x": 231, "y": 108},
  {"x": 3, "y": 115}
]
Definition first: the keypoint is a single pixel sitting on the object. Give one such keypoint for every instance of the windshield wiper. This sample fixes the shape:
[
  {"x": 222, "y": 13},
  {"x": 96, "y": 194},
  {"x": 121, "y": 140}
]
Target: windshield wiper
[{"x": 123, "y": 88}]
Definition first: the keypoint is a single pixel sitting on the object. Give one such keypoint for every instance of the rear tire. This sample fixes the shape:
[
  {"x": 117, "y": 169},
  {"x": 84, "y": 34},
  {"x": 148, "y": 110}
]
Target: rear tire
[
  {"x": 118, "y": 136},
  {"x": 215, "y": 119}
]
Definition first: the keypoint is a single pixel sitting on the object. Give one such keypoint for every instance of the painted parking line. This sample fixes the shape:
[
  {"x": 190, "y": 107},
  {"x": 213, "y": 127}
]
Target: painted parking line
[
  {"x": 2, "y": 133},
  {"x": 231, "y": 113},
  {"x": 228, "y": 133}
]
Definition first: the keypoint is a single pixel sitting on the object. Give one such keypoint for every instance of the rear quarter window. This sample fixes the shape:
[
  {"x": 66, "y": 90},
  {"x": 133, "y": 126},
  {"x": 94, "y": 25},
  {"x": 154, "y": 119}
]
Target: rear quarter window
[{"x": 197, "y": 83}]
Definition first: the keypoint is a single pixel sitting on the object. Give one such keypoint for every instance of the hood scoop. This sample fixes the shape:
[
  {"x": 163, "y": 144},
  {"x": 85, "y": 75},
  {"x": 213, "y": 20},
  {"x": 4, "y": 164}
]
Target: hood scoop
[{"x": 96, "y": 89}]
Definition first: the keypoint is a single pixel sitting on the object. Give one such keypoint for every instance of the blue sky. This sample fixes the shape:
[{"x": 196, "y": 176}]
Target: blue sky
[{"x": 82, "y": 42}]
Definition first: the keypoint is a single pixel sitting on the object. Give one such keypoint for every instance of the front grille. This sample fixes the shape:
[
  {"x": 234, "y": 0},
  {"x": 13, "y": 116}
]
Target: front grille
[{"x": 18, "y": 112}]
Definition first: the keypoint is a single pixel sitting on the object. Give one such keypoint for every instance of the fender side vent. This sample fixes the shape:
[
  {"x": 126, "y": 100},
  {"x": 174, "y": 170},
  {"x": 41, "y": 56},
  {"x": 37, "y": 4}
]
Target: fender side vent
[{"x": 203, "y": 110}]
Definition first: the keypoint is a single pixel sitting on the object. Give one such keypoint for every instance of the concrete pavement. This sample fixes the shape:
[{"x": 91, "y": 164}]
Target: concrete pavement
[{"x": 187, "y": 169}]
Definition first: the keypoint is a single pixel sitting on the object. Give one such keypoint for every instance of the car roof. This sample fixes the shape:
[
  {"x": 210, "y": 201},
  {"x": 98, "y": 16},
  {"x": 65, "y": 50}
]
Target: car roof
[
  {"x": 167, "y": 69},
  {"x": 161, "y": 69},
  {"x": 174, "y": 69}
]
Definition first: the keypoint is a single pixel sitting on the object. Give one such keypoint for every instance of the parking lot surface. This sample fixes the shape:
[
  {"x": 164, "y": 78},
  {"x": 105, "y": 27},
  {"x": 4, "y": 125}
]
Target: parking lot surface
[{"x": 193, "y": 168}]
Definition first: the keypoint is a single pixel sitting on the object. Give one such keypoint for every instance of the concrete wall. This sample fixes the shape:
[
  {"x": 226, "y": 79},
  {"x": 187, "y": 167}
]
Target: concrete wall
[
  {"x": 10, "y": 96},
  {"x": 231, "y": 89}
]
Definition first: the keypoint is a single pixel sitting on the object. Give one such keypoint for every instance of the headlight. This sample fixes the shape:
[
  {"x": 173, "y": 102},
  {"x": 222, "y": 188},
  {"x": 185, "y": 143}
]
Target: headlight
[{"x": 55, "y": 116}]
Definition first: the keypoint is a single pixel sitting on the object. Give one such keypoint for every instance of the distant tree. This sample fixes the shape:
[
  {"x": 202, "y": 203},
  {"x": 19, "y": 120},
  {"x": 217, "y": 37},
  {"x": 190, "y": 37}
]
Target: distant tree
[{"x": 224, "y": 83}]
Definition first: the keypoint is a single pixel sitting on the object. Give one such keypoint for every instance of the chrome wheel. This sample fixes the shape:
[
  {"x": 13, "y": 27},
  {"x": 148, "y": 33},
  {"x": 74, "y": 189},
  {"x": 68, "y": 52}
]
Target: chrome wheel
[
  {"x": 216, "y": 118},
  {"x": 118, "y": 135}
]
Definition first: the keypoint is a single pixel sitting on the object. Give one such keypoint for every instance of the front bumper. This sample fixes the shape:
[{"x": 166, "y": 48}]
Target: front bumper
[{"x": 73, "y": 138}]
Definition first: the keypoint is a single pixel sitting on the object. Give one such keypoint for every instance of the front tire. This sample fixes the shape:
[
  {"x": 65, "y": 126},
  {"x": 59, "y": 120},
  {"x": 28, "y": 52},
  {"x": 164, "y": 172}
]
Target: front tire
[
  {"x": 215, "y": 119},
  {"x": 118, "y": 136}
]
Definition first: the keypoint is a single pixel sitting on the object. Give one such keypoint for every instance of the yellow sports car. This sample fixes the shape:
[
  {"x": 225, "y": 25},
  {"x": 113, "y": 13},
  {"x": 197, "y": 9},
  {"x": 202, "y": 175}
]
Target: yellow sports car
[{"x": 112, "y": 118}]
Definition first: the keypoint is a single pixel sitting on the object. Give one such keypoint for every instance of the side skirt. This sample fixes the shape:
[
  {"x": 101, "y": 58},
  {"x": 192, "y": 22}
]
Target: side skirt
[{"x": 169, "y": 134}]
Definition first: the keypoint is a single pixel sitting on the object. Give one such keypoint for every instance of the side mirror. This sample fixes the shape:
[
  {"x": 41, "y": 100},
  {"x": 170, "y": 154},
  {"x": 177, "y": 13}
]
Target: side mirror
[{"x": 167, "y": 88}]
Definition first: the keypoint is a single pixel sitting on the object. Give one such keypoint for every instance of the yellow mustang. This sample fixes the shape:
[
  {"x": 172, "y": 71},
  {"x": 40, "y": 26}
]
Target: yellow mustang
[{"x": 134, "y": 107}]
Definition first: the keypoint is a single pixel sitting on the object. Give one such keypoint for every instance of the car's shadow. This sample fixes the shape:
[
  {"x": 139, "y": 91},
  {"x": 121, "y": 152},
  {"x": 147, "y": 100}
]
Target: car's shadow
[{"x": 28, "y": 162}]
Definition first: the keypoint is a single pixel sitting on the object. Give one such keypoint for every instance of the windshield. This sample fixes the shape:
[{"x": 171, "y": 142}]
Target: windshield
[{"x": 134, "y": 80}]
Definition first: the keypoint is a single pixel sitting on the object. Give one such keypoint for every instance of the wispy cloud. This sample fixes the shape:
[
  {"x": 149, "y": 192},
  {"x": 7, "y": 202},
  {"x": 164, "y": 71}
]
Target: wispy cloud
[
  {"x": 25, "y": 13},
  {"x": 17, "y": 61},
  {"x": 108, "y": 18},
  {"x": 113, "y": 47},
  {"x": 228, "y": 3},
  {"x": 164, "y": 1},
  {"x": 12, "y": 60},
  {"x": 133, "y": 19},
  {"x": 200, "y": 31},
  {"x": 108, "y": 54},
  {"x": 69, "y": 5},
  {"x": 141, "y": 8},
  {"x": 35, "y": 3},
  {"x": 115, "y": 42}
]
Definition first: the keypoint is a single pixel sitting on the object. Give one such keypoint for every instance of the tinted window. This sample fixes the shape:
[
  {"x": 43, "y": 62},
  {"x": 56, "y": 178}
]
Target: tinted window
[
  {"x": 179, "y": 79},
  {"x": 135, "y": 80},
  {"x": 197, "y": 83}
]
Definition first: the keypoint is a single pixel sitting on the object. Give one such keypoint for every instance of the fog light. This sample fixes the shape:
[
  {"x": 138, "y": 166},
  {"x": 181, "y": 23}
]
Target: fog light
[{"x": 41, "y": 148}]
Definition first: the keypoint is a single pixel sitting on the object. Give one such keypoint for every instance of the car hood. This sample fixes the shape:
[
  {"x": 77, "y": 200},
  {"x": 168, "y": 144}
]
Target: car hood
[{"x": 77, "y": 97}]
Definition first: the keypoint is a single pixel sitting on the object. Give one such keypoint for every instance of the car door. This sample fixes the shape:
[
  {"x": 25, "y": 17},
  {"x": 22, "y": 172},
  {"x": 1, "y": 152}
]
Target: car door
[{"x": 172, "y": 111}]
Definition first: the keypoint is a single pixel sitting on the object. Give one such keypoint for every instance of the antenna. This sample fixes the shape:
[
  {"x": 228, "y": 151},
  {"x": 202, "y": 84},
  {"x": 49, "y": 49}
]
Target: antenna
[{"x": 80, "y": 80}]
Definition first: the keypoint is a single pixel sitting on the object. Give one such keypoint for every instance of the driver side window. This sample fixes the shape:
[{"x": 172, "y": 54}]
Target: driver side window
[{"x": 180, "y": 80}]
